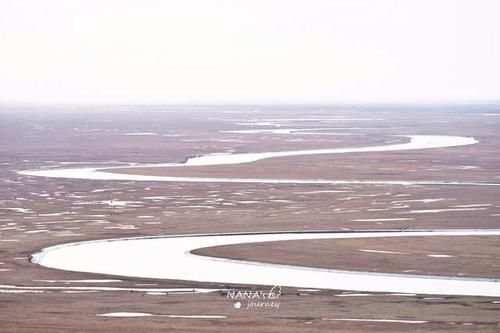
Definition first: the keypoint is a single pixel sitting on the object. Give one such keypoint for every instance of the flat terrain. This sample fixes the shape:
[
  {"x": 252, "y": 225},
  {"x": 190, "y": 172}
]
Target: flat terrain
[
  {"x": 449, "y": 256},
  {"x": 38, "y": 212}
]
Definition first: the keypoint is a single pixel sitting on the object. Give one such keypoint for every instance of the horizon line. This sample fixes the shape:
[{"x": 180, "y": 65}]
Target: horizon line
[{"x": 246, "y": 103}]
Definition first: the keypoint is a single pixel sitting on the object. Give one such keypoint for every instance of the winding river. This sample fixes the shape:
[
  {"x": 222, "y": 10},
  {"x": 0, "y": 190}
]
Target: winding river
[
  {"x": 171, "y": 257},
  {"x": 415, "y": 142}
]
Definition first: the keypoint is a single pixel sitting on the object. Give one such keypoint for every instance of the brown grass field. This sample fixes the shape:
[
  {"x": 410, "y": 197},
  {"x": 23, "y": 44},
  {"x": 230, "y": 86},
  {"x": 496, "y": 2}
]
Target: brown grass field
[{"x": 37, "y": 212}]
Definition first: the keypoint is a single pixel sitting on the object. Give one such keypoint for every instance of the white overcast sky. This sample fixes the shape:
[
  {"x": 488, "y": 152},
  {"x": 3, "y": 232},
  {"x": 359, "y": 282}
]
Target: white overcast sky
[{"x": 249, "y": 51}]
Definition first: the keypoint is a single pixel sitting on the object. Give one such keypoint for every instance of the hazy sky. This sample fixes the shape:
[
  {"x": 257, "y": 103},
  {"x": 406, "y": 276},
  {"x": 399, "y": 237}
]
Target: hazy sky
[{"x": 240, "y": 51}]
